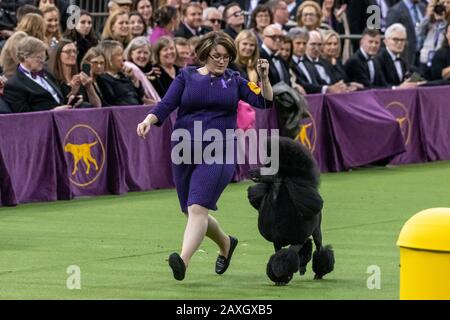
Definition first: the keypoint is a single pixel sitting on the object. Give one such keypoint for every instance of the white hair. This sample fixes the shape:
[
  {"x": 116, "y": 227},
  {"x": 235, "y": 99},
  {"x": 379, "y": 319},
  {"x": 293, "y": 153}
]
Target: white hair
[
  {"x": 209, "y": 10},
  {"x": 396, "y": 27}
]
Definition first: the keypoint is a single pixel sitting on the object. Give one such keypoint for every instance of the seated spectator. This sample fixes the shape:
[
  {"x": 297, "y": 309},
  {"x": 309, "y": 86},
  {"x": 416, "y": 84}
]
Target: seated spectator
[
  {"x": 32, "y": 88},
  {"x": 137, "y": 56},
  {"x": 118, "y": 84},
  {"x": 309, "y": 15},
  {"x": 192, "y": 44},
  {"x": 32, "y": 25},
  {"x": 334, "y": 17},
  {"x": 362, "y": 67},
  {"x": 139, "y": 52},
  {"x": 393, "y": 66},
  {"x": 278, "y": 70},
  {"x": 138, "y": 28},
  {"x": 83, "y": 35},
  {"x": 261, "y": 17},
  {"x": 145, "y": 8},
  {"x": 184, "y": 55},
  {"x": 247, "y": 55},
  {"x": 164, "y": 55},
  {"x": 117, "y": 28},
  {"x": 280, "y": 14},
  {"x": 95, "y": 58},
  {"x": 432, "y": 30},
  {"x": 167, "y": 20},
  {"x": 212, "y": 18},
  {"x": 52, "y": 27},
  {"x": 285, "y": 51},
  {"x": 234, "y": 18},
  {"x": 440, "y": 67},
  {"x": 192, "y": 22},
  {"x": 64, "y": 67},
  {"x": 331, "y": 52}
]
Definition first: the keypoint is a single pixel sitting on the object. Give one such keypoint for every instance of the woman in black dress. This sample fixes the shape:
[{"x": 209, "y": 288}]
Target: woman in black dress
[{"x": 164, "y": 56}]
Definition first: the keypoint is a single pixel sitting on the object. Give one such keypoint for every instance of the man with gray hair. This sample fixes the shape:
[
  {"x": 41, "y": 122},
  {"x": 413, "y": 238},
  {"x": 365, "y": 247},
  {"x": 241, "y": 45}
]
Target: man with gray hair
[{"x": 393, "y": 66}]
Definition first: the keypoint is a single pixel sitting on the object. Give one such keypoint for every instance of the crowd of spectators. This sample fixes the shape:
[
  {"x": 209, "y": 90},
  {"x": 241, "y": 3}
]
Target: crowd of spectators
[{"x": 133, "y": 57}]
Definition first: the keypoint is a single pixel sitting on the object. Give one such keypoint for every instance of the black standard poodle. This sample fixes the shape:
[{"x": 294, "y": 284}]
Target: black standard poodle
[{"x": 290, "y": 212}]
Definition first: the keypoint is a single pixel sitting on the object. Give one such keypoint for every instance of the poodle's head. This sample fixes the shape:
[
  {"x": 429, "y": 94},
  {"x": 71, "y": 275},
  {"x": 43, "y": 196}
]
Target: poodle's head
[
  {"x": 295, "y": 160},
  {"x": 282, "y": 265}
]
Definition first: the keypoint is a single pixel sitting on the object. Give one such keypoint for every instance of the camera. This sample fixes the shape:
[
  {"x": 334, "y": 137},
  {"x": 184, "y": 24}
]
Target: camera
[{"x": 439, "y": 9}]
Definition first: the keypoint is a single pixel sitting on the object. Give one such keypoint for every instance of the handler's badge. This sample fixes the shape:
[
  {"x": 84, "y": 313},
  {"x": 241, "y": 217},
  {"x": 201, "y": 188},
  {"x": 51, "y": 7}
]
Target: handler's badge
[{"x": 254, "y": 87}]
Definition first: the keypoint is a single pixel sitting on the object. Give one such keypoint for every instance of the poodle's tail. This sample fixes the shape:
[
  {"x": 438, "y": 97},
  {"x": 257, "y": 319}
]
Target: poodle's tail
[
  {"x": 323, "y": 262},
  {"x": 305, "y": 255},
  {"x": 282, "y": 265}
]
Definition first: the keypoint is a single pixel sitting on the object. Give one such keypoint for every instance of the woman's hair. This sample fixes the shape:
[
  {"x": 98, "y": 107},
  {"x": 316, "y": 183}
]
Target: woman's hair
[
  {"x": 10, "y": 48},
  {"x": 260, "y": 8},
  {"x": 26, "y": 9},
  {"x": 107, "y": 47},
  {"x": 326, "y": 35},
  {"x": 136, "y": 43},
  {"x": 137, "y": 14},
  {"x": 91, "y": 37},
  {"x": 285, "y": 40},
  {"x": 108, "y": 28},
  {"x": 56, "y": 65},
  {"x": 240, "y": 61},
  {"x": 33, "y": 25},
  {"x": 164, "y": 15},
  {"x": 212, "y": 40},
  {"x": 92, "y": 53},
  {"x": 305, "y": 4},
  {"x": 159, "y": 45},
  {"x": 29, "y": 46},
  {"x": 48, "y": 9}
]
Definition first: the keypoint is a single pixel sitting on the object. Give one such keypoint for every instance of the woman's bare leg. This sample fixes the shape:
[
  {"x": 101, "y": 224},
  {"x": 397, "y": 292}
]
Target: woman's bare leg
[
  {"x": 195, "y": 231},
  {"x": 215, "y": 233}
]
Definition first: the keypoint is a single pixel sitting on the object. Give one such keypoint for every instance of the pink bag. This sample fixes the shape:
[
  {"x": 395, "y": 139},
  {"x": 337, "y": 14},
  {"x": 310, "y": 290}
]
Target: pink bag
[{"x": 245, "y": 116}]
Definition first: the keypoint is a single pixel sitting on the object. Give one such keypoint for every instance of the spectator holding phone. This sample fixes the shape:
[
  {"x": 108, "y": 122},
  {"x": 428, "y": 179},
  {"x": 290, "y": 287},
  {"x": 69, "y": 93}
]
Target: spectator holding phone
[
  {"x": 118, "y": 84},
  {"x": 440, "y": 67},
  {"x": 64, "y": 67},
  {"x": 32, "y": 88},
  {"x": 93, "y": 64}
]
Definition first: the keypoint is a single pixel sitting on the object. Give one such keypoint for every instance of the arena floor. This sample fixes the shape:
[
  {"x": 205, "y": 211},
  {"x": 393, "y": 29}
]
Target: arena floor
[{"x": 120, "y": 243}]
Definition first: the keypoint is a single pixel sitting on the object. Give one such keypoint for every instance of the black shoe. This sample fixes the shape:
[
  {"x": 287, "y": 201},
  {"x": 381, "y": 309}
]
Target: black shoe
[
  {"x": 222, "y": 263},
  {"x": 177, "y": 265}
]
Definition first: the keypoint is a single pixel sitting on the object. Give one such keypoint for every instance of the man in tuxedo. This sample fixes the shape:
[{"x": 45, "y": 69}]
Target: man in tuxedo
[
  {"x": 234, "y": 18},
  {"x": 32, "y": 88},
  {"x": 192, "y": 22},
  {"x": 280, "y": 14},
  {"x": 409, "y": 13},
  {"x": 306, "y": 73},
  {"x": 362, "y": 67},
  {"x": 278, "y": 70},
  {"x": 392, "y": 64}
]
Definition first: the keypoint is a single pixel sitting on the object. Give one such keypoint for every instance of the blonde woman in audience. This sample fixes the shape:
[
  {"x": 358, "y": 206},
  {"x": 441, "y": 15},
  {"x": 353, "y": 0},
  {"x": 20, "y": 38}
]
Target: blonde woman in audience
[
  {"x": 309, "y": 15},
  {"x": 52, "y": 27},
  {"x": 117, "y": 28},
  {"x": 33, "y": 25},
  {"x": 247, "y": 55}
]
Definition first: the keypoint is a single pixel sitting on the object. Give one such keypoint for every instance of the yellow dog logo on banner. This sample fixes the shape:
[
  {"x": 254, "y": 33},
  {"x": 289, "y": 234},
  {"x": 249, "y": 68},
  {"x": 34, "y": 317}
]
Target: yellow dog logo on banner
[{"x": 81, "y": 151}]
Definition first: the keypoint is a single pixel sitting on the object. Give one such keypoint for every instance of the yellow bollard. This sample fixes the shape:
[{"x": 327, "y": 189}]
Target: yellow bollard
[{"x": 425, "y": 256}]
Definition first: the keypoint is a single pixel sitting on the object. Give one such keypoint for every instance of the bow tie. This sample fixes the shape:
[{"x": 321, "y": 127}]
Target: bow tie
[
  {"x": 35, "y": 74},
  {"x": 370, "y": 58},
  {"x": 317, "y": 62}
]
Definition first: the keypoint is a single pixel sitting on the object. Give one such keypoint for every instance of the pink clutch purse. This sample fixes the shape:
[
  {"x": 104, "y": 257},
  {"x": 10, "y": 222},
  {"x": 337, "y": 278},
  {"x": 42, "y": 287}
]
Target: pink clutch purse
[{"x": 245, "y": 116}]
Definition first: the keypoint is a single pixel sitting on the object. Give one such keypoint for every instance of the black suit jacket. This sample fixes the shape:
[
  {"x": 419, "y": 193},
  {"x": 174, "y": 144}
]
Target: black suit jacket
[
  {"x": 184, "y": 32},
  {"x": 274, "y": 77},
  {"x": 357, "y": 70},
  {"x": 357, "y": 13},
  {"x": 400, "y": 14},
  {"x": 24, "y": 95},
  {"x": 313, "y": 86},
  {"x": 388, "y": 68}
]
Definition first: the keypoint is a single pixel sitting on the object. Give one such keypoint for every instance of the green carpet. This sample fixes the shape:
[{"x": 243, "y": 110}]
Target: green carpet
[{"x": 120, "y": 243}]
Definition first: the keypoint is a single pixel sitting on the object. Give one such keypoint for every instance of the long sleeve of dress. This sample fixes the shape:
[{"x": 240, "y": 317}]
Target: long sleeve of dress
[
  {"x": 252, "y": 94},
  {"x": 170, "y": 101}
]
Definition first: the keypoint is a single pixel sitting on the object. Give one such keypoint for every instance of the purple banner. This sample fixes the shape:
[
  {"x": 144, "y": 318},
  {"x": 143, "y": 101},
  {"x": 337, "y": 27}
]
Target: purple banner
[
  {"x": 364, "y": 132},
  {"x": 435, "y": 122},
  {"x": 402, "y": 104}
]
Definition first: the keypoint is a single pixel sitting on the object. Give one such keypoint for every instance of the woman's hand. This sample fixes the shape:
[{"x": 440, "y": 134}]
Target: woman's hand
[
  {"x": 85, "y": 79},
  {"x": 144, "y": 127},
  {"x": 153, "y": 74},
  {"x": 263, "y": 69}
]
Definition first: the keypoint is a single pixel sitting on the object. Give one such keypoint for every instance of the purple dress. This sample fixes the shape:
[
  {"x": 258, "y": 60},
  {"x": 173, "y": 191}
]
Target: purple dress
[{"x": 211, "y": 101}]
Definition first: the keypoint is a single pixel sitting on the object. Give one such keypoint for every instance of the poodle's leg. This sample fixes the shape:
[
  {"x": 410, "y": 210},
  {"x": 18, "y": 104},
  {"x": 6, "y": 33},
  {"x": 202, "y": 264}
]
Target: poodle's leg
[
  {"x": 323, "y": 258},
  {"x": 305, "y": 255},
  {"x": 317, "y": 235}
]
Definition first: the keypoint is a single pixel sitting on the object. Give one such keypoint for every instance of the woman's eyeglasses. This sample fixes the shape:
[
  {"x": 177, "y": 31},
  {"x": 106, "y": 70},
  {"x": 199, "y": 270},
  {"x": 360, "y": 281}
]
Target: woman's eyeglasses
[
  {"x": 218, "y": 58},
  {"x": 71, "y": 51}
]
